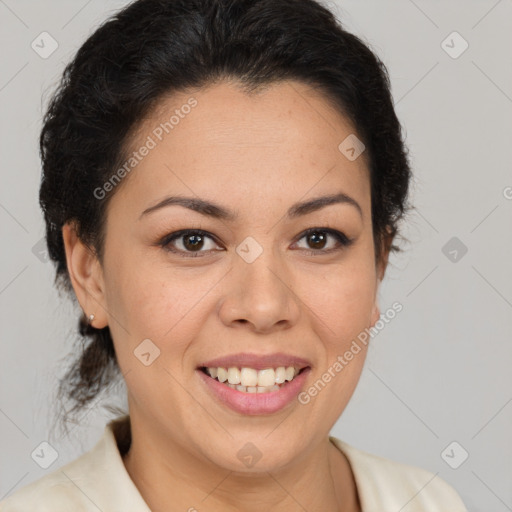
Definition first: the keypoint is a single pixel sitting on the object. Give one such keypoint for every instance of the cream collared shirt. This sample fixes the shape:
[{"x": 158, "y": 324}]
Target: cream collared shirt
[{"x": 98, "y": 481}]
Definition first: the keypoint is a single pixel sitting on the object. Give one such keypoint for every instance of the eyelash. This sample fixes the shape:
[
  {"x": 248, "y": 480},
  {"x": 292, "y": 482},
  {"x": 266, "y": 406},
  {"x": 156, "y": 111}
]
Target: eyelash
[{"x": 165, "y": 243}]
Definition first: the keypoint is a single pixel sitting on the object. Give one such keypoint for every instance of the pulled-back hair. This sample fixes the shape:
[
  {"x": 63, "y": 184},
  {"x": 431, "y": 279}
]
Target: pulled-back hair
[{"x": 153, "y": 48}]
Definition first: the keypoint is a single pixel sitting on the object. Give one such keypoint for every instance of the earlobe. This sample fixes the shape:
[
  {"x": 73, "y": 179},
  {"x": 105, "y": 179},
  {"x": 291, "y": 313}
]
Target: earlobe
[{"x": 86, "y": 275}]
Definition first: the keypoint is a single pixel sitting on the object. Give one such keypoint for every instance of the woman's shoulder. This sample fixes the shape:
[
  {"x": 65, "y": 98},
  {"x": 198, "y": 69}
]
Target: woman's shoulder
[
  {"x": 97, "y": 480},
  {"x": 55, "y": 491},
  {"x": 385, "y": 484}
]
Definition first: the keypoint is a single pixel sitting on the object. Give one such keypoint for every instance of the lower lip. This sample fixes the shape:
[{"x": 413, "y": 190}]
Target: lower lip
[{"x": 255, "y": 403}]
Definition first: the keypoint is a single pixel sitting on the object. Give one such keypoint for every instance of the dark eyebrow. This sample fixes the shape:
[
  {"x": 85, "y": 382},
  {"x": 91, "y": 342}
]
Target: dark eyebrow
[
  {"x": 320, "y": 202},
  {"x": 218, "y": 212}
]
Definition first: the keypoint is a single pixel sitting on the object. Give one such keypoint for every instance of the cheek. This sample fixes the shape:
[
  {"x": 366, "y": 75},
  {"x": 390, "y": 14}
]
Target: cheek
[
  {"x": 140, "y": 292},
  {"x": 342, "y": 304},
  {"x": 342, "y": 299},
  {"x": 149, "y": 300}
]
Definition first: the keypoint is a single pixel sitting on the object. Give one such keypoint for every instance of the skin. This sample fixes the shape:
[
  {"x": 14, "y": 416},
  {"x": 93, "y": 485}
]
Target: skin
[{"x": 255, "y": 155}]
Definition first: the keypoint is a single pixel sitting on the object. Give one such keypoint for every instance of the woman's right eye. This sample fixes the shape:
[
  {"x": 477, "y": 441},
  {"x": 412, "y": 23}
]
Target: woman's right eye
[{"x": 187, "y": 242}]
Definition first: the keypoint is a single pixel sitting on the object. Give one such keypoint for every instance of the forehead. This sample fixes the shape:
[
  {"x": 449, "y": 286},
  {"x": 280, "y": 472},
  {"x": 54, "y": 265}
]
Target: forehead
[{"x": 221, "y": 142}]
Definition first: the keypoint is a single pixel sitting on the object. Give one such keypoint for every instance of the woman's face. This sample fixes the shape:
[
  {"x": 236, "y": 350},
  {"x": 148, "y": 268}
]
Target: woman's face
[{"x": 252, "y": 283}]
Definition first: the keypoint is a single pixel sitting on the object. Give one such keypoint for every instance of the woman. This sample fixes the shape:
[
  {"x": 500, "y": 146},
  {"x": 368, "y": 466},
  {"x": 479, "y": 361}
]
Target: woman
[{"x": 222, "y": 185}]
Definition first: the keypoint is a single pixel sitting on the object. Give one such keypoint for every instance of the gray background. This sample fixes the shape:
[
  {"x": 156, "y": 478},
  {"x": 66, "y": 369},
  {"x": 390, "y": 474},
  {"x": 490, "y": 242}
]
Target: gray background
[{"x": 440, "y": 371}]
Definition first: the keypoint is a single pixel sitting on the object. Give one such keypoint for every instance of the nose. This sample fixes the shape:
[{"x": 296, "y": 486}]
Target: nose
[{"x": 260, "y": 295}]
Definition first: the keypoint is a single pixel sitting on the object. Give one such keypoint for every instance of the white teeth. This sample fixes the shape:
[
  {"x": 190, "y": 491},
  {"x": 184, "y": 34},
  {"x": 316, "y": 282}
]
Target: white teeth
[
  {"x": 266, "y": 377},
  {"x": 222, "y": 374},
  {"x": 249, "y": 377},
  {"x": 290, "y": 373},
  {"x": 234, "y": 376},
  {"x": 250, "y": 380},
  {"x": 280, "y": 374}
]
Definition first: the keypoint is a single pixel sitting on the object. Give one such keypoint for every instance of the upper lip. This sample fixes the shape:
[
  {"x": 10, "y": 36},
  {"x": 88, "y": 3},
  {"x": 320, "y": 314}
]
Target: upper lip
[{"x": 257, "y": 361}]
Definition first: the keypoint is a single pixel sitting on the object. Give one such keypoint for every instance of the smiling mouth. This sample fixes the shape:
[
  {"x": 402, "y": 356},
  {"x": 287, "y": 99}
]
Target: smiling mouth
[{"x": 250, "y": 380}]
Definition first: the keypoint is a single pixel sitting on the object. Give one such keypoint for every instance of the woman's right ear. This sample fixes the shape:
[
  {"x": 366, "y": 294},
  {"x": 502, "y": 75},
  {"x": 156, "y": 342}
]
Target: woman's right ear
[{"x": 86, "y": 275}]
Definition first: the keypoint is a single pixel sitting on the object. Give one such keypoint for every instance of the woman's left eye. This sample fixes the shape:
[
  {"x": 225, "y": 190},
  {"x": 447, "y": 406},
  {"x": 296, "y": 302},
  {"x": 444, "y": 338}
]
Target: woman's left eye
[
  {"x": 191, "y": 242},
  {"x": 319, "y": 238}
]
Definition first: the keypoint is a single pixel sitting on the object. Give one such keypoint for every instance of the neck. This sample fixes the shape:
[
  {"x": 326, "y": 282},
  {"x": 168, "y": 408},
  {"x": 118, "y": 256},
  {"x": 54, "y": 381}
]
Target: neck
[{"x": 165, "y": 472}]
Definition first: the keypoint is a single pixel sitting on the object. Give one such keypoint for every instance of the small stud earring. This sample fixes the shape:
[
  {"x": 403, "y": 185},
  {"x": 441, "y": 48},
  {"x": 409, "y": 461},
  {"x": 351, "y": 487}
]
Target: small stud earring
[{"x": 90, "y": 319}]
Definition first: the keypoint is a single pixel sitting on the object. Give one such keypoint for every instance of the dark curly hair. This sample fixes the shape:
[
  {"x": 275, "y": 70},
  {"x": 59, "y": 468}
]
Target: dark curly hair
[{"x": 152, "y": 48}]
